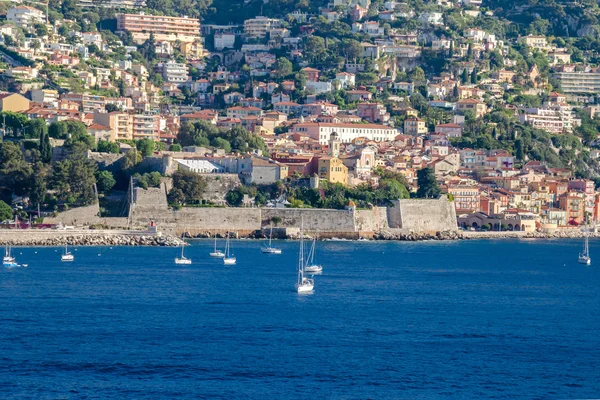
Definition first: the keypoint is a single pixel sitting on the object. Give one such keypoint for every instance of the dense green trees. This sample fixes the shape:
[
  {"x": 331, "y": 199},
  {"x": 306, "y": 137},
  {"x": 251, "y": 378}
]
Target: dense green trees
[
  {"x": 105, "y": 181},
  {"x": 73, "y": 180},
  {"x": 6, "y": 213},
  {"x": 427, "y": 183},
  {"x": 188, "y": 187},
  {"x": 204, "y": 134},
  {"x": 104, "y": 146}
]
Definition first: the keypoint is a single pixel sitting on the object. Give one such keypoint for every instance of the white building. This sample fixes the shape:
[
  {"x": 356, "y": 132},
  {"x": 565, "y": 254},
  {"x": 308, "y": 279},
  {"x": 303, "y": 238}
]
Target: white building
[
  {"x": 346, "y": 79},
  {"x": 25, "y": 16},
  {"x": 173, "y": 72},
  {"x": 346, "y": 132},
  {"x": 200, "y": 166},
  {"x": 318, "y": 87},
  {"x": 257, "y": 28},
  {"x": 224, "y": 41}
]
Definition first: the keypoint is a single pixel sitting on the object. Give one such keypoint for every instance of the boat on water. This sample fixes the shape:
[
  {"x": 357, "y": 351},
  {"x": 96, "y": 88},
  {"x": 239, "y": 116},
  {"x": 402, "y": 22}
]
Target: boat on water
[
  {"x": 8, "y": 260},
  {"x": 228, "y": 259},
  {"x": 182, "y": 259},
  {"x": 7, "y": 257},
  {"x": 303, "y": 284},
  {"x": 311, "y": 266},
  {"x": 584, "y": 256},
  {"x": 67, "y": 255},
  {"x": 216, "y": 253},
  {"x": 270, "y": 249}
]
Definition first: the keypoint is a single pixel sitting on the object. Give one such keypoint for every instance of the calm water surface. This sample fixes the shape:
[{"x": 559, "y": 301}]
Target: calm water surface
[{"x": 474, "y": 319}]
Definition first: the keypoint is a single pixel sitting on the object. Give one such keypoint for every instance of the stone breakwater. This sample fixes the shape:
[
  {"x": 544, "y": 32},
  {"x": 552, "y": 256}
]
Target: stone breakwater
[
  {"x": 470, "y": 235},
  {"x": 89, "y": 240}
]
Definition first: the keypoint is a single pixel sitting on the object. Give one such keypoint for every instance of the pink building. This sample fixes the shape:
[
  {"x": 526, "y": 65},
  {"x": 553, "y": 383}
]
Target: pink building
[{"x": 586, "y": 186}]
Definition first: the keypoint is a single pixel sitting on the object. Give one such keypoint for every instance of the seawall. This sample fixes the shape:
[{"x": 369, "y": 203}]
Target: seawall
[{"x": 405, "y": 216}]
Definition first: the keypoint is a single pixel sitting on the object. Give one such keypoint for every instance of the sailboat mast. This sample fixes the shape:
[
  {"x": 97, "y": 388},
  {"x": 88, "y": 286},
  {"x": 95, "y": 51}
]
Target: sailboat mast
[{"x": 270, "y": 233}]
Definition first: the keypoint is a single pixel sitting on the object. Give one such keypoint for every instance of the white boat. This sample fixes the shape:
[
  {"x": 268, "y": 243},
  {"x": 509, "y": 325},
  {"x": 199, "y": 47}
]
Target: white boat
[
  {"x": 67, "y": 255},
  {"x": 229, "y": 258},
  {"x": 270, "y": 249},
  {"x": 310, "y": 260},
  {"x": 182, "y": 259},
  {"x": 303, "y": 284},
  {"x": 7, "y": 257},
  {"x": 584, "y": 256},
  {"x": 217, "y": 253}
]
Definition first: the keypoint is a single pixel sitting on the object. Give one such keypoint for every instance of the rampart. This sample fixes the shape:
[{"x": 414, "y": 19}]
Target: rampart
[
  {"x": 422, "y": 216},
  {"x": 419, "y": 216}
]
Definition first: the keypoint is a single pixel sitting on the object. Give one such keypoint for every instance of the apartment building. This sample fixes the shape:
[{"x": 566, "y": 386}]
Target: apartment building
[
  {"x": 551, "y": 120},
  {"x": 346, "y": 132},
  {"x": 87, "y": 102},
  {"x": 257, "y": 28},
  {"x": 164, "y": 28},
  {"x": 579, "y": 82},
  {"x": 45, "y": 96},
  {"x": 120, "y": 124},
  {"x": 145, "y": 126},
  {"x": 173, "y": 72},
  {"x": 25, "y": 16},
  {"x": 466, "y": 198}
]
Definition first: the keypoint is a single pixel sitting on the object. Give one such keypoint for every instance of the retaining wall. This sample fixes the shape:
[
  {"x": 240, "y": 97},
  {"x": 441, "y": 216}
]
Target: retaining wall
[{"x": 423, "y": 216}]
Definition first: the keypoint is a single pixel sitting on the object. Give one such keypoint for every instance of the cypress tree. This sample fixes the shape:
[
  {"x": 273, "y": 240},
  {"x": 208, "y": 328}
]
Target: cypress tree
[
  {"x": 465, "y": 76},
  {"x": 474, "y": 76},
  {"x": 45, "y": 148}
]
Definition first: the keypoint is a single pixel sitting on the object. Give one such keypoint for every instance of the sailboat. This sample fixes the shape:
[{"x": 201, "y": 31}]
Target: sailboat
[
  {"x": 270, "y": 249},
  {"x": 228, "y": 259},
  {"x": 310, "y": 261},
  {"x": 303, "y": 284},
  {"x": 67, "y": 255},
  {"x": 217, "y": 253},
  {"x": 584, "y": 257},
  {"x": 182, "y": 259},
  {"x": 8, "y": 260}
]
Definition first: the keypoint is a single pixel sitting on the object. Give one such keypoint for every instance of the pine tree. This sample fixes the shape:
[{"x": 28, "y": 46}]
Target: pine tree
[
  {"x": 451, "y": 52},
  {"x": 455, "y": 94}
]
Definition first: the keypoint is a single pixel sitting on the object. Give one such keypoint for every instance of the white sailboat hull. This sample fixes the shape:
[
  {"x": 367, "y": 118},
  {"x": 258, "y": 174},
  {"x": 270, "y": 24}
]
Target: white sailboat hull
[
  {"x": 67, "y": 257},
  {"x": 584, "y": 260},
  {"x": 185, "y": 261},
  {"x": 271, "y": 250},
  {"x": 313, "y": 269},
  {"x": 229, "y": 261},
  {"x": 306, "y": 286},
  {"x": 217, "y": 254}
]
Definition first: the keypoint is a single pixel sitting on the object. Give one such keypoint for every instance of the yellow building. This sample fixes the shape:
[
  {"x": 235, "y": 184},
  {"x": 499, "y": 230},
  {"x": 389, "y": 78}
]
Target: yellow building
[
  {"x": 192, "y": 50},
  {"x": 333, "y": 169},
  {"x": 13, "y": 102},
  {"x": 414, "y": 126}
]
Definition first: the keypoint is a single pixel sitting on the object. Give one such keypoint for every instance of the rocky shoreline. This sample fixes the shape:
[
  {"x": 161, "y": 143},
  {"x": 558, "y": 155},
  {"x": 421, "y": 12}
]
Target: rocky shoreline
[{"x": 93, "y": 240}]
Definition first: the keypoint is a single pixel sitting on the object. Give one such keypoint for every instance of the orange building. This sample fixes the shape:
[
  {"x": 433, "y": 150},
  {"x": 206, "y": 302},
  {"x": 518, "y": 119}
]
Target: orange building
[{"x": 573, "y": 202}]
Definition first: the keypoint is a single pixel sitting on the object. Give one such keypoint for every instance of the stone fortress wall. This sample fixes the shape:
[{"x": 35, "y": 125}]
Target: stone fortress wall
[{"x": 405, "y": 216}]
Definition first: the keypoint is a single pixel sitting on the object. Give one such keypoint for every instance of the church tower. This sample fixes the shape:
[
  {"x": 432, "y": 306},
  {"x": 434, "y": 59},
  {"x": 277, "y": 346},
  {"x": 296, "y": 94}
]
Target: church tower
[{"x": 334, "y": 145}]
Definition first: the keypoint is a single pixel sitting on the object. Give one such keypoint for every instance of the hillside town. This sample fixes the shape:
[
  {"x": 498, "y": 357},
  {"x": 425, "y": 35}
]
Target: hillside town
[{"x": 321, "y": 104}]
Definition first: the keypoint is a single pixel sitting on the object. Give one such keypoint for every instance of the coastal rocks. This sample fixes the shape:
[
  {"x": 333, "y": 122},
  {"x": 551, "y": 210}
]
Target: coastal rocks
[
  {"x": 416, "y": 236},
  {"x": 94, "y": 240}
]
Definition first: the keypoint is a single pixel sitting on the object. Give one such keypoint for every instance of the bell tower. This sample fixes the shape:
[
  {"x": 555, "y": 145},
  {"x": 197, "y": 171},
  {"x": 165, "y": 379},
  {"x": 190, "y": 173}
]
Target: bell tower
[{"x": 334, "y": 145}]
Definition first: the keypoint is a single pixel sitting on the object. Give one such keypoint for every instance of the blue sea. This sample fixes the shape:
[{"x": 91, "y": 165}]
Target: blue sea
[{"x": 387, "y": 320}]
